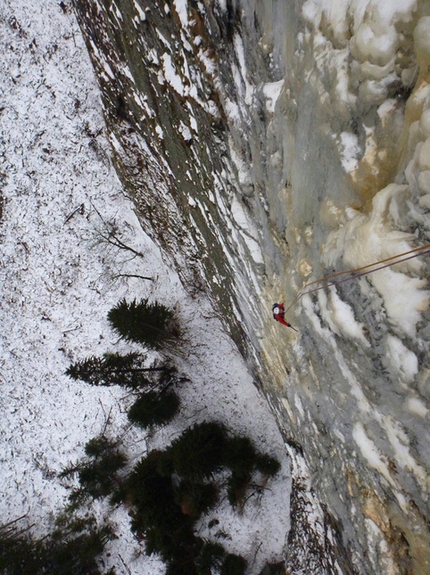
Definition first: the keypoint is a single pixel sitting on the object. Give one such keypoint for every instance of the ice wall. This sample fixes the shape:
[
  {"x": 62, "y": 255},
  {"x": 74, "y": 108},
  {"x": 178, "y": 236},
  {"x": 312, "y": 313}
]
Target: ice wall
[{"x": 352, "y": 184}]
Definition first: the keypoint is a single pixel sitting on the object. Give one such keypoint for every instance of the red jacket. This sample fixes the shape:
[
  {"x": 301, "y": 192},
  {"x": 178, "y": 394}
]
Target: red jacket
[{"x": 279, "y": 315}]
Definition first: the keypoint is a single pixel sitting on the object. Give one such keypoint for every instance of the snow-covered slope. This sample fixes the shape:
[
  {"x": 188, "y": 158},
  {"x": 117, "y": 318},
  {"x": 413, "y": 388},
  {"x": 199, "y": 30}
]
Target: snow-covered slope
[{"x": 63, "y": 208}]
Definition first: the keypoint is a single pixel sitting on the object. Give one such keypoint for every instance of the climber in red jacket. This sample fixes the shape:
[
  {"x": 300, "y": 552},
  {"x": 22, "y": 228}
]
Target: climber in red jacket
[{"x": 279, "y": 313}]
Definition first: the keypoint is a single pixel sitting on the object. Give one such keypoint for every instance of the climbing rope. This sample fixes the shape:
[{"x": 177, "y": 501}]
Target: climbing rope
[{"x": 359, "y": 272}]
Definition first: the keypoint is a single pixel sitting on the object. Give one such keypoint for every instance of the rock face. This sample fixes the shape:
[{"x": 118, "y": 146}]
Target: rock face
[{"x": 266, "y": 146}]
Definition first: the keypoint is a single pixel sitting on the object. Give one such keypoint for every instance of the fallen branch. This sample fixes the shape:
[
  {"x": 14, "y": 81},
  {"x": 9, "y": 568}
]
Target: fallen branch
[
  {"x": 132, "y": 276},
  {"x": 115, "y": 241},
  {"x": 123, "y": 562},
  {"x": 107, "y": 418},
  {"x": 79, "y": 209}
]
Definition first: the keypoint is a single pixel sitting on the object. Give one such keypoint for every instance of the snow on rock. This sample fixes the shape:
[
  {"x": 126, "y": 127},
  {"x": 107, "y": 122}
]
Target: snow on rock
[
  {"x": 340, "y": 317},
  {"x": 370, "y": 452},
  {"x": 403, "y": 361},
  {"x": 141, "y": 13},
  {"x": 350, "y": 151},
  {"x": 171, "y": 76},
  {"x": 272, "y": 90},
  {"x": 182, "y": 10},
  {"x": 248, "y": 230},
  {"x": 241, "y": 74}
]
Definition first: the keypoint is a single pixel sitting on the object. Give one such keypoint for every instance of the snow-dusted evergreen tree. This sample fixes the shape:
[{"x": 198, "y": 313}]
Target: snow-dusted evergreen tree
[
  {"x": 154, "y": 408},
  {"x": 98, "y": 472},
  {"x": 74, "y": 547},
  {"x": 196, "y": 498},
  {"x": 233, "y": 565},
  {"x": 116, "y": 369},
  {"x": 151, "y": 324},
  {"x": 199, "y": 452}
]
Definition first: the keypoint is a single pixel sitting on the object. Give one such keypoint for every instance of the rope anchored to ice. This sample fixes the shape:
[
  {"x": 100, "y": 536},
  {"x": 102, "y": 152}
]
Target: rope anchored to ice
[{"x": 351, "y": 274}]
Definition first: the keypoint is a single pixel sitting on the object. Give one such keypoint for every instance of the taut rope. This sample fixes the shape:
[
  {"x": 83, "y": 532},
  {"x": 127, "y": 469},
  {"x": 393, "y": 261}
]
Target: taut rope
[{"x": 365, "y": 270}]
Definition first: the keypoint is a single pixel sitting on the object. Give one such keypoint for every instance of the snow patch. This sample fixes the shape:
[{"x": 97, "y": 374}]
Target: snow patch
[
  {"x": 401, "y": 445},
  {"x": 185, "y": 132},
  {"x": 140, "y": 12},
  {"x": 171, "y": 75},
  {"x": 370, "y": 452},
  {"x": 340, "y": 317},
  {"x": 349, "y": 151},
  {"x": 400, "y": 359},
  {"x": 181, "y": 7},
  {"x": 272, "y": 91}
]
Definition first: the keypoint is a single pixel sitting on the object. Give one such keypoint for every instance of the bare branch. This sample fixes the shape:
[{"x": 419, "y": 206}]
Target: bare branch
[{"x": 111, "y": 236}]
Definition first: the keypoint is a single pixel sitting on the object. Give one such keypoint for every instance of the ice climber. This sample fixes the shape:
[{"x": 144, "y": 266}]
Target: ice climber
[{"x": 279, "y": 313}]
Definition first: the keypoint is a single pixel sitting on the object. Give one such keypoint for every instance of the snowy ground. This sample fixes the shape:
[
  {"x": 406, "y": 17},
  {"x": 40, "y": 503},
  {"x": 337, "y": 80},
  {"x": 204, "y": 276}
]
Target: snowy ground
[{"x": 61, "y": 197}]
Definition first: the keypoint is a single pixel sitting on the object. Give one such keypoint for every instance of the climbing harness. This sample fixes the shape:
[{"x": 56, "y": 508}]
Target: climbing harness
[{"x": 279, "y": 313}]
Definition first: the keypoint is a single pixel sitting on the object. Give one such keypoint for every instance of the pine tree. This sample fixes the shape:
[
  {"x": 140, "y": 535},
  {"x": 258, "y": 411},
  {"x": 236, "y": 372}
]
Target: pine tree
[
  {"x": 154, "y": 408},
  {"x": 267, "y": 465},
  {"x": 99, "y": 446},
  {"x": 116, "y": 369},
  {"x": 152, "y": 325},
  {"x": 195, "y": 498},
  {"x": 240, "y": 455},
  {"x": 198, "y": 452},
  {"x": 98, "y": 472},
  {"x": 273, "y": 569},
  {"x": 73, "y": 548},
  {"x": 210, "y": 558},
  {"x": 98, "y": 476},
  {"x": 146, "y": 489},
  {"x": 233, "y": 565}
]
